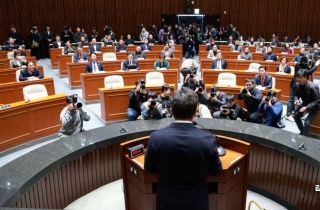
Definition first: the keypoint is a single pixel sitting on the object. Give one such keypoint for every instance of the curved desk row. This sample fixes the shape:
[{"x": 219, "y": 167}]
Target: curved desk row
[
  {"x": 58, "y": 173},
  {"x": 227, "y": 48},
  {"x": 9, "y": 75},
  {"x": 5, "y": 62},
  {"x": 4, "y": 54}
]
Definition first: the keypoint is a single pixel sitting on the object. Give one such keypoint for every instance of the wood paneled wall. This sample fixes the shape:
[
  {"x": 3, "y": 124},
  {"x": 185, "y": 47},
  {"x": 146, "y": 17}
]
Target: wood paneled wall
[{"x": 251, "y": 16}]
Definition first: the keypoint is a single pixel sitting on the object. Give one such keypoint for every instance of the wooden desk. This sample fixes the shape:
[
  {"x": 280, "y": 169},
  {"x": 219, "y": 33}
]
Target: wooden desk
[
  {"x": 282, "y": 80},
  {"x": 114, "y": 102},
  {"x": 53, "y": 56},
  {"x": 4, "y": 54},
  {"x": 149, "y": 54},
  {"x": 315, "y": 126},
  {"x": 9, "y": 75},
  {"x": 235, "y": 91},
  {"x": 12, "y": 92},
  {"x": 243, "y": 64},
  {"x": 156, "y": 47},
  {"x": 25, "y": 122},
  {"x": 140, "y": 188},
  {"x": 90, "y": 83},
  {"x": 227, "y": 48},
  {"x": 5, "y": 62}
]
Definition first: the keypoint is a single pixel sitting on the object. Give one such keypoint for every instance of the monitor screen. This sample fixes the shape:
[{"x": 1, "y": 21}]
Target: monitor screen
[{"x": 132, "y": 66}]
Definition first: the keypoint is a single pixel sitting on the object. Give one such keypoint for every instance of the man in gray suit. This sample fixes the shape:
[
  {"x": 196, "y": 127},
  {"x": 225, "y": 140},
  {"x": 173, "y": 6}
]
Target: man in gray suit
[
  {"x": 236, "y": 47},
  {"x": 246, "y": 55},
  {"x": 219, "y": 63},
  {"x": 139, "y": 54},
  {"x": 80, "y": 56}
]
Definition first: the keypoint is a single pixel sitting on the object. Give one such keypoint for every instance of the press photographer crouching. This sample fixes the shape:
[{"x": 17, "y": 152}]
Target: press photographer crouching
[
  {"x": 198, "y": 87},
  {"x": 216, "y": 100},
  {"x": 164, "y": 100},
  {"x": 252, "y": 97},
  {"x": 270, "y": 110},
  {"x": 137, "y": 97},
  {"x": 151, "y": 109},
  {"x": 231, "y": 110},
  {"x": 72, "y": 117}
]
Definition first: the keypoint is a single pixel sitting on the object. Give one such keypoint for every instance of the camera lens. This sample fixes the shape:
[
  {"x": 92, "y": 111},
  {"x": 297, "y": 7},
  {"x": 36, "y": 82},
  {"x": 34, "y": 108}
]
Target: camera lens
[
  {"x": 153, "y": 103},
  {"x": 142, "y": 86},
  {"x": 213, "y": 94},
  {"x": 244, "y": 91},
  {"x": 200, "y": 89}
]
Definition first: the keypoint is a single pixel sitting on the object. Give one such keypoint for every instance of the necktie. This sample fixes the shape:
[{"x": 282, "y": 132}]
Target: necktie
[
  {"x": 262, "y": 81},
  {"x": 80, "y": 55}
]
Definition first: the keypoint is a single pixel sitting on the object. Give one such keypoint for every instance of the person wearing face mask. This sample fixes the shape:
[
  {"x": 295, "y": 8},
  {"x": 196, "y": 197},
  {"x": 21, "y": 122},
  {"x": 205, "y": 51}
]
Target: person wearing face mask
[
  {"x": 144, "y": 34},
  {"x": 246, "y": 55},
  {"x": 72, "y": 117},
  {"x": 297, "y": 58},
  {"x": 18, "y": 60},
  {"x": 283, "y": 67}
]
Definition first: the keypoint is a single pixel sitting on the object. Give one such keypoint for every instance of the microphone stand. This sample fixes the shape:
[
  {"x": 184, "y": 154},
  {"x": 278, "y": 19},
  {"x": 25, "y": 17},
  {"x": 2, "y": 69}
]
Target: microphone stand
[{"x": 221, "y": 150}]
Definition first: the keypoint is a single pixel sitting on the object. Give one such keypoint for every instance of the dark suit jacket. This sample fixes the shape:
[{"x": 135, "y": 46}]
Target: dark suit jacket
[
  {"x": 55, "y": 44},
  {"x": 76, "y": 57},
  {"x": 126, "y": 64},
  {"x": 11, "y": 47},
  {"x": 144, "y": 47},
  {"x": 128, "y": 41},
  {"x": 224, "y": 64},
  {"x": 272, "y": 56},
  {"x": 47, "y": 36},
  {"x": 267, "y": 81},
  {"x": 139, "y": 55},
  {"x": 123, "y": 47},
  {"x": 287, "y": 69},
  {"x": 89, "y": 67},
  {"x": 98, "y": 48},
  {"x": 310, "y": 95},
  {"x": 182, "y": 155},
  {"x": 24, "y": 74}
]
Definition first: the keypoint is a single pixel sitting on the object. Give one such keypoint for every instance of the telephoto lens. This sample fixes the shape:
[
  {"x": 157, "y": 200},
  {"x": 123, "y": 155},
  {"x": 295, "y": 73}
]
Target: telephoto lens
[
  {"x": 213, "y": 94},
  {"x": 244, "y": 90},
  {"x": 153, "y": 103}
]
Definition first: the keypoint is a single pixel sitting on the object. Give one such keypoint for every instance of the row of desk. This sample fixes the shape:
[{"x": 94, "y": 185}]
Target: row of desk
[
  {"x": 9, "y": 75},
  {"x": 226, "y": 48},
  {"x": 4, "y": 54},
  {"x": 5, "y": 62}
]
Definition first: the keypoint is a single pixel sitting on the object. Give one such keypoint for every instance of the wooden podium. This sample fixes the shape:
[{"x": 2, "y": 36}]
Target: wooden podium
[{"x": 227, "y": 191}]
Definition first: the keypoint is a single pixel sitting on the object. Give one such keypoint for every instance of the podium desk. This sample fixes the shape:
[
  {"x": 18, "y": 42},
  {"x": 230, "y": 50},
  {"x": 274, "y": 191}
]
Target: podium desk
[
  {"x": 53, "y": 56},
  {"x": 227, "y": 191},
  {"x": 235, "y": 90},
  {"x": 24, "y": 122},
  {"x": 91, "y": 82},
  {"x": 12, "y": 92},
  {"x": 9, "y": 75},
  {"x": 114, "y": 102},
  {"x": 282, "y": 80}
]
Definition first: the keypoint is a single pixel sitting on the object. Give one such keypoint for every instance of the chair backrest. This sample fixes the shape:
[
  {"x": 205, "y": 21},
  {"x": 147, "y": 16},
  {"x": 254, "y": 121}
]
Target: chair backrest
[
  {"x": 109, "y": 56},
  {"x": 227, "y": 79},
  {"x": 254, "y": 66},
  {"x": 273, "y": 82},
  {"x": 36, "y": 91},
  {"x": 62, "y": 51},
  {"x": 239, "y": 57},
  {"x": 292, "y": 70},
  {"x": 121, "y": 65},
  {"x": 10, "y": 55},
  {"x": 154, "y": 78},
  {"x": 114, "y": 81},
  {"x": 18, "y": 75}
]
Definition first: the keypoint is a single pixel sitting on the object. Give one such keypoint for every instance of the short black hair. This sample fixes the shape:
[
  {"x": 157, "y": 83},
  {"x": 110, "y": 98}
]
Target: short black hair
[
  {"x": 214, "y": 88},
  {"x": 129, "y": 53},
  {"x": 272, "y": 93},
  {"x": 152, "y": 95},
  {"x": 301, "y": 72},
  {"x": 230, "y": 98},
  {"x": 93, "y": 54},
  {"x": 264, "y": 67},
  {"x": 184, "y": 103},
  {"x": 165, "y": 87},
  {"x": 138, "y": 82},
  {"x": 250, "y": 80}
]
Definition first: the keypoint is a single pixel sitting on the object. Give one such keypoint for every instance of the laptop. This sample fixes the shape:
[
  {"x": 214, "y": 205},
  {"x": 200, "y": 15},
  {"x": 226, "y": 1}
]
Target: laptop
[{"x": 132, "y": 66}]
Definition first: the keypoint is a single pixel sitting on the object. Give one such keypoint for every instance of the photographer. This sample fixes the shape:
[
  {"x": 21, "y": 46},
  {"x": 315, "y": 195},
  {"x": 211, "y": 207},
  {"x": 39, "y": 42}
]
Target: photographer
[
  {"x": 252, "y": 98},
  {"x": 151, "y": 109},
  {"x": 216, "y": 100},
  {"x": 191, "y": 81},
  {"x": 190, "y": 48},
  {"x": 137, "y": 97},
  {"x": 72, "y": 117},
  {"x": 164, "y": 100},
  {"x": 310, "y": 95},
  {"x": 270, "y": 109},
  {"x": 35, "y": 38},
  {"x": 231, "y": 110}
]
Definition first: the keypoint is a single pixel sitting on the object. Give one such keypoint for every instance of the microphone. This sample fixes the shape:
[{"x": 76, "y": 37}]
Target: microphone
[
  {"x": 221, "y": 150},
  {"x": 25, "y": 96},
  {"x": 123, "y": 129},
  {"x": 302, "y": 147}
]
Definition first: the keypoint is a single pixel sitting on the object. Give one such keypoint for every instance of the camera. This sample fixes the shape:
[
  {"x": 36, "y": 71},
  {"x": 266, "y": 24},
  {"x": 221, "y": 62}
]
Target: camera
[
  {"x": 191, "y": 76},
  {"x": 268, "y": 98},
  {"x": 142, "y": 84},
  {"x": 153, "y": 102},
  {"x": 75, "y": 102},
  {"x": 212, "y": 94},
  {"x": 226, "y": 109},
  {"x": 245, "y": 90}
]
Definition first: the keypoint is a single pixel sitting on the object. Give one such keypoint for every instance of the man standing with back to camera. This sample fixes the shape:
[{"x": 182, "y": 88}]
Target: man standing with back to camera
[{"x": 182, "y": 155}]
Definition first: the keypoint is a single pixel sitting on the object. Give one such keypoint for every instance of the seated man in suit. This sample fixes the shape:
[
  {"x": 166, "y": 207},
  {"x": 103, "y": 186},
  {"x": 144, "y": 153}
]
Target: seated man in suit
[
  {"x": 11, "y": 45},
  {"x": 246, "y": 55},
  {"x": 83, "y": 42},
  {"x": 219, "y": 63},
  {"x": 230, "y": 41},
  {"x": 315, "y": 51},
  {"x": 212, "y": 44},
  {"x": 162, "y": 63},
  {"x": 80, "y": 56},
  {"x": 121, "y": 47},
  {"x": 107, "y": 40},
  {"x": 283, "y": 67},
  {"x": 270, "y": 56},
  {"x": 94, "y": 47},
  {"x": 58, "y": 43},
  {"x": 236, "y": 47},
  {"x": 129, "y": 41},
  {"x": 30, "y": 73},
  {"x": 138, "y": 54},
  {"x": 167, "y": 52},
  {"x": 130, "y": 62},
  {"x": 297, "y": 58},
  {"x": 263, "y": 80},
  {"x": 94, "y": 66},
  {"x": 146, "y": 46},
  {"x": 69, "y": 48}
]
